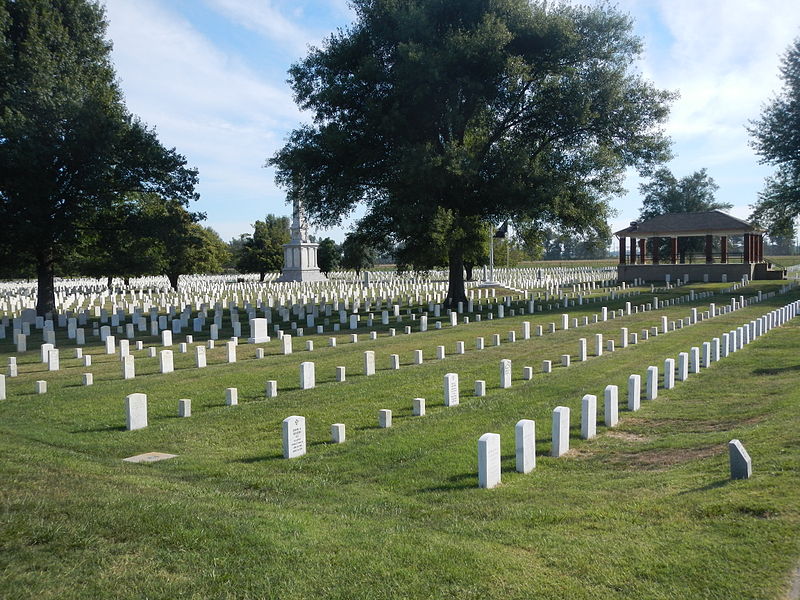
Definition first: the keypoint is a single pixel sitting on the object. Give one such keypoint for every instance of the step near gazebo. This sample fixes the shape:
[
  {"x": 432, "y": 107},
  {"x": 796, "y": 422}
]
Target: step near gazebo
[{"x": 733, "y": 249}]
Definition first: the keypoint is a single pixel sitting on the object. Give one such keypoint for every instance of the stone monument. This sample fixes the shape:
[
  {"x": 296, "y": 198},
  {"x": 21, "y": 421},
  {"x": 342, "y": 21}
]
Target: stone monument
[{"x": 300, "y": 255}]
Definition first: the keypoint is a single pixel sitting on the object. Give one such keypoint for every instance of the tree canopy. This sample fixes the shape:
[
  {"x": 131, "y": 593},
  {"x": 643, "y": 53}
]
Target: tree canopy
[
  {"x": 484, "y": 110},
  {"x": 357, "y": 253},
  {"x": 329, "y": 256},
  {"x": 775, "y": 138},
  {"x": 665, "y": 194},
  {"x": 262, "y": 252},
  {"x": 70, "y": 153}
]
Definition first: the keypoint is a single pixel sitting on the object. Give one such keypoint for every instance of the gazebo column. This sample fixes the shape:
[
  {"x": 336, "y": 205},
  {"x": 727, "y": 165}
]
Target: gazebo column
[
  {"x": 643, "y": 250},
  {"x": 709, "y": 249},
  {"x": 748, "y": 247},
  {"x": 760, "y": 247},
  {"x": 673, "y": 244},
  {"x": 656, "y": 250},
  {"x": 723, "y": 245},
  {"x": 622, "y": 250},
  {"x": 633, "y": 250}
]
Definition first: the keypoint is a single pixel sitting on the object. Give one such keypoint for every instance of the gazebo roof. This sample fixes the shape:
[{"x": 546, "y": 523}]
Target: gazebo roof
[{"x": 713, "y": 222}]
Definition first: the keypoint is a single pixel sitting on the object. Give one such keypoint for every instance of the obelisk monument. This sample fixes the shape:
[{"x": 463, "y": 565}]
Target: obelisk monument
[{"x": 300, "y": 255}]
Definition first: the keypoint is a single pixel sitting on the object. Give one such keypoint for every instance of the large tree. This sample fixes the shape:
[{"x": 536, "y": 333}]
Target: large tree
[
  {"x": 665, "y": 194},
  {"x": 485, "y": 109},
  {"x": 69, "y": 150},
  {"x": 776, "y": 138},
  {"x": 329, "y": 256},
  {"x": 357, "y": 253},
  {"x": 262, "y": 252}
]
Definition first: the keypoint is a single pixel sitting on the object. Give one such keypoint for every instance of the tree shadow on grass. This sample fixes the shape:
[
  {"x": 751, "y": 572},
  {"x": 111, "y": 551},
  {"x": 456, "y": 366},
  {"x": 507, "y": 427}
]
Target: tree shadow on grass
[
  {"x": 258, "y": 459},
  {"x": 711, "y": 486},
  {"x": 775, "y": 371},
  {"x": 462, "y": 481},
  {"x": 103, "y": 429}
]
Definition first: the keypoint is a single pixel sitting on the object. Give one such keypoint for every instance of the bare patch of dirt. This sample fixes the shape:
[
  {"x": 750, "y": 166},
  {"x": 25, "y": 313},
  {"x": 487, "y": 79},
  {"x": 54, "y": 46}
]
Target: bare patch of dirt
[
  {"x": 628, "y": 437},
  {"x": 691, "y": 425},
  {"x": 663, "y": 458}
]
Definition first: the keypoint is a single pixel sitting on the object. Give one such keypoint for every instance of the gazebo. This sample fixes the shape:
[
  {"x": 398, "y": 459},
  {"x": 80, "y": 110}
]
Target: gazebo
[{"x": 640, "y": 249}]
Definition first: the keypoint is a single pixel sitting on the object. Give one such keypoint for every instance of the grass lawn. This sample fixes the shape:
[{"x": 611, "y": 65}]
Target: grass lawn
[{"x": 645, "y": 510}]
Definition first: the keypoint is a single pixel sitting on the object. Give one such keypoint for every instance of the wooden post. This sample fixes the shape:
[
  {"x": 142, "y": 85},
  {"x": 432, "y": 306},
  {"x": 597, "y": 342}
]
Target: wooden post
[
  {"x": 643, "y": 250},
  {"x": 748, "y": 244},
  {"x": 709, "y": 249},
  {"x": 674, "y": 250},
  {"x": 622, "y": 250},
  {"x": 633, "y": 250}
]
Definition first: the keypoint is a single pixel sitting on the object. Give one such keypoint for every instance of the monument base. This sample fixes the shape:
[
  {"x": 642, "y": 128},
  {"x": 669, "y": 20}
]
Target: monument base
[
  {"x": 300, "y": 263},
  {"x": 290, "y": 275}
]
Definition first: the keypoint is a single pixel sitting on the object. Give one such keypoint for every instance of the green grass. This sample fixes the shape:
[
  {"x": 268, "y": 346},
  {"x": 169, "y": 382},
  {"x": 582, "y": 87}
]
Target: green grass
[{"x": 643, "y": 511}]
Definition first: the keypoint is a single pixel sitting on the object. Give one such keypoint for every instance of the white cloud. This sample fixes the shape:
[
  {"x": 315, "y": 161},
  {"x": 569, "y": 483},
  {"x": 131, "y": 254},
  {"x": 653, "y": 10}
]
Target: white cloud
[
  {"x": 224, "y": 117},
  {"x": 266, "y": 19},
  {"x": 723, "y": 58}
]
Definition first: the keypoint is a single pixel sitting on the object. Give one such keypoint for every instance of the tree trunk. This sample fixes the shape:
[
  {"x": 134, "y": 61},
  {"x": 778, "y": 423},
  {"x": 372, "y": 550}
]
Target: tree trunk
[
  {"x": 468, "y": 266},
  {"x": 46, "y": 289},
  {"x": 173, "y": 280},
  {"x": 455, "y": 288},
  {"x": 110, "y": 283},
  {"x": 261, "y": 276}
]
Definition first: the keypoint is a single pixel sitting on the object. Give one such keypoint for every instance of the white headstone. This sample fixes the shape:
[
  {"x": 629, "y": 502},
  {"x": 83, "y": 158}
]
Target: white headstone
[
  {"x": 560, "y": 431},
  {"x": 451, "y": 394},
  {"x": 611, "y": 406},
  {"x": 634, "y": 392},
  {"x": 231, "y": 396},
  {"x": 669, "y": 373},
  {"x": 338, "y": 433},
  {"x": 505, "y": 373},
  {"x": 307, "y": 375},
  {"x": 418, "y": 407},
  {"x": 651, "y": 385},
  {"x": 184, "y": 407},
  {"x": 588, "y": 416},
  {"x": 740, "y": 462},
  {"x": 489, "y": 460},
  {"x": 525, "y": 445},
  {"x": 294, "y": 436},
  {"x": 128, "y": 367},
  {"x": 135, "y": 411},
  {"x": 166, "y": 361},
  {"x": 369, "y": 363}
]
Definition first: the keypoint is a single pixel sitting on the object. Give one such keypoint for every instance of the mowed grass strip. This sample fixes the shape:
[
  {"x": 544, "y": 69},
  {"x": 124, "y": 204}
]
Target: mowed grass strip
[{"x": 644, "y": 511}]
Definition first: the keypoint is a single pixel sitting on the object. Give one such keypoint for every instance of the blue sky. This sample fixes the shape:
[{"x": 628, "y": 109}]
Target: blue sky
[{"x": 210, "y": 76}]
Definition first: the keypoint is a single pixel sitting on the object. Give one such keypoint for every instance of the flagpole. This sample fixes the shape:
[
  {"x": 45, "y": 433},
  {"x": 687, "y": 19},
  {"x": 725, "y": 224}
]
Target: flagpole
[{"x": 491, "y": 255}]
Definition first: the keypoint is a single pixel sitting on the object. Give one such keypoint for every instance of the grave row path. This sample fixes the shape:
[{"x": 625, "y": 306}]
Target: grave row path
[
  {"x": 351, "y": 355},
  {"x": 318, "y": 341},
  {"x": 357, "y": 401},
  {"x": 347, "y": 353},
  {"x": 225, "y": 313}
]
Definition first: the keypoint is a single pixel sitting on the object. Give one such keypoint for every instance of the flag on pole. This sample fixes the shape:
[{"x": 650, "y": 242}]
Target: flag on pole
[{"x": 502, "y": 230}]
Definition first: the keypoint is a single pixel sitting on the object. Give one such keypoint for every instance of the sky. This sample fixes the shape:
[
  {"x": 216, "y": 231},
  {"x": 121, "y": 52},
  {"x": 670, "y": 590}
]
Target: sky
[{"x": 211, "y": 77}]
